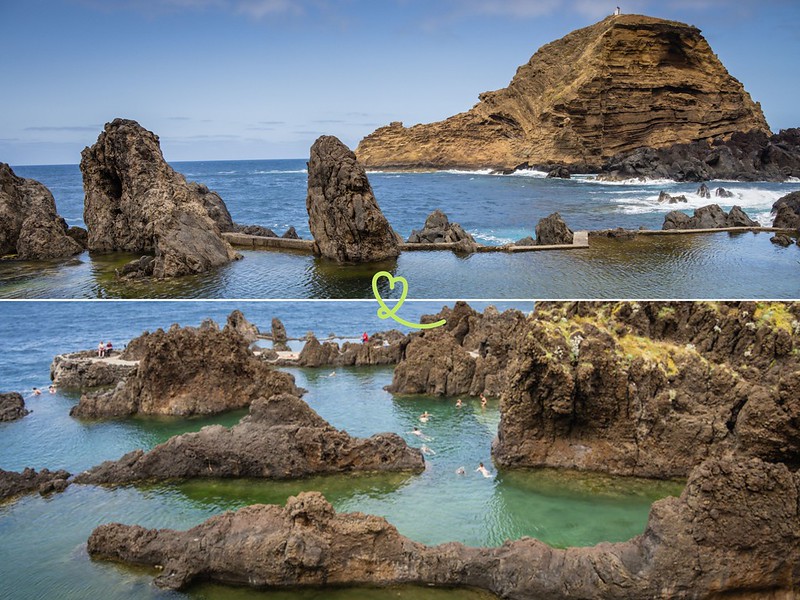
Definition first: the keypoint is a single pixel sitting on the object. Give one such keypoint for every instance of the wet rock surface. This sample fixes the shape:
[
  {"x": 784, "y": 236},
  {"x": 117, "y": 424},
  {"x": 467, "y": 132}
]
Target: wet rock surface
[
  {"x": 781, "y": 240},
  {"x": 787, "y": 211},
  {"x": 552, "y": 231},
  {"x": 81, "y": 371},
  {"x": 665, "y": 198},
  {"x": 708, "y": 217},
  {"x": 345, "y": 220},
  {"x": 439, "y": 230},
  {"x": 731, "y": 513},
  {"x": 30, "y": 227},
  {"x": 281, "y": 438},
  {"x": 189, "y": 371},
  {"x": 383, "y": 348},
  {"x": 559, "y": 172},
  {"x": 617, "y": 387},
  {"x": 747, "y": 155},
  {"x": 12, "y": 407},
  {"x": 136, "y": 202},
  {"x": 14, "y": 484}
]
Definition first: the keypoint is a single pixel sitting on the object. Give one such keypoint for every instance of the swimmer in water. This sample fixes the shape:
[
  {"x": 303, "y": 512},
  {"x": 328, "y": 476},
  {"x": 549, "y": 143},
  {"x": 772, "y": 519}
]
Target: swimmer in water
[
  {"x": 332, "y": 374},
  {"x": 52, "y": 389},
  {"x": 37, "y": 391},
  {"x": 459, "y": 404},
  {"x": 420, "y": 435},
  {"x": 461, "y": 471},
  {"x": 483, "y": 470},
  {"x": 424, "y": 417},
  {"x": 483, "y": 401},
  {"x": 425, "y": 450}
]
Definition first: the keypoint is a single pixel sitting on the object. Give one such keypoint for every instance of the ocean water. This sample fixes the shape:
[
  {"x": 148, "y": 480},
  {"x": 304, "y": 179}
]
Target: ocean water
[
  {"x": 495, "y": 209},
  {"x": 42, "y": 540}
]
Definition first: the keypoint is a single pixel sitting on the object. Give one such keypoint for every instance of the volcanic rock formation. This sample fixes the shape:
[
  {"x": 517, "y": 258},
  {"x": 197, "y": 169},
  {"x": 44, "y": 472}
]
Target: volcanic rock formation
[
  {"x": 787, "y": 211},
  {"x": 439, "y": 230},
  {"x": 82, "y": 371},
  {"x": 281, "y": 438},
  {"x": 651, "y": 389},
  {"x": 45, "y": 481},
  {"x": 12, "y": 407},
  {"x": 751, "y": 156},
  {"x": 345, "y": 220},
  {"x": 136, "y": 202},
  {"x": 623, "y": 83},
  {"x": 552, "y": 230},
  {"x": 734, "y": 532},
  {"x": 708, "y": 217},
  {"x": 374, "y": 352},
  {"x": 188, "y": 371},
  {"x": 665, "y": 198},
  {"x": 30, "y": 227}
]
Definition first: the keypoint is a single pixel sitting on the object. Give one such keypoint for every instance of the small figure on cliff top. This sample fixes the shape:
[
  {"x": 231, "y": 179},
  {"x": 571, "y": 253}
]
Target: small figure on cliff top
[
  {"x": 617, "y": 12},
  {"x": 364, "y": 338},
  {"x": 108, "y": 350},
  {"x": 101, "y": 349}
]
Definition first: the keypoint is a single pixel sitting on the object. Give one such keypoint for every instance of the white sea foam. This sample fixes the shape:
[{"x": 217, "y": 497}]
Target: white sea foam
[
  {"x": 528, "y": 173},
  {"x": 583, "y": 178},
  {"x": 465, "y": 172},
  {"x": 756, "y": 202},
  {"x": 488, "y": 237},
  {"x": 226, "y": 172}
]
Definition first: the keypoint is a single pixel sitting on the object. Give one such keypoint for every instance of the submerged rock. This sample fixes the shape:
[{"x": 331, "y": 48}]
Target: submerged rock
[
  {"x": 781, "y": 240},
  {"x": 189, "y": 371},
  {"x": 731, "y": 514},
  {"x": 703, "y": 191},
  {"x": 30, "y": 227},
  {"x": 439, "y": 230},
  {"x": 723, "y": 193},
  {"x": 787, "y": 211},
  {"x": 136, "y": 202},
  {"x": 708, "y": 217},
  {"x": 281, "y": 438},
  {"x": 345, "y": 220},
  {"x": 552, "y": 231},
  {"x": 12, "y": 407},
  {"x": 14, "y": 484}
]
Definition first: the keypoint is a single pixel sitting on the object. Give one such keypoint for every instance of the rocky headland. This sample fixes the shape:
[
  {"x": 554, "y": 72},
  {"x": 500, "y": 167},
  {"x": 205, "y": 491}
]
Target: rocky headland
[
  {"x": 13, "y": 484},
  {"x": 734, "y": 532},
  {"x": 384, "y": 348},
  {"x": 281, "y": 438},
  {"x": 30, "y": 227},
  {"x": 84, "y": 370},
  {"x": 189, "y": 371},
  {"x": 345, "y": 220},
  {"x": 12, "y": 407},
  {"x": 136, "y": 202},
  {"x": 624, "y": 83}
]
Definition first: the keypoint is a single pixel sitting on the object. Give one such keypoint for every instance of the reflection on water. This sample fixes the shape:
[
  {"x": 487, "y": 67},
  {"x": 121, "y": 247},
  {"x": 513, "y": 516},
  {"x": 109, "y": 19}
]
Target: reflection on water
[{"x": 720, "y": 265}]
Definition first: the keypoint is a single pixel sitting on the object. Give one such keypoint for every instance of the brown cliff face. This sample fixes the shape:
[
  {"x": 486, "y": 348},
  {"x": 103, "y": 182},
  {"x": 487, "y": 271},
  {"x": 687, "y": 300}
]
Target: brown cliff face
[{"x": 625, "y": 82}]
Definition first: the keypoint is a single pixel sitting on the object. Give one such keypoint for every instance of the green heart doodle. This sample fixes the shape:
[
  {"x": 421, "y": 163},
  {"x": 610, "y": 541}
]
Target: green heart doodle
[{"x": 384, "y": 312}]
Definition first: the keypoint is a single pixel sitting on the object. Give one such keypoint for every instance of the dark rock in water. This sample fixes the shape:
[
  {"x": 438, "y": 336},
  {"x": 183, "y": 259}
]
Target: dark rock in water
[
  {"x": 383, "y": 348},
  {"x": 526, "y": 241},
  {"x": 345, "y": 220},
  {"x": 723, "y": 193},
  {"x": 12, "y": 407},
  {"x": 136, "y": 202},
  {"x": 82, "y": 371},
  {"x": 14, "y": 484},
  {"x": 439, "y": 230},
  {"x": 781, "y": 240},
  {"x": 257, "y": 230},
  {"x": 708, "y": 217},
  {"x": 559, "y": 172},
  {"x": 281, "y": 438},
  {"x": 707, "y": 378},
  {"x": 79, "y": 234},
  {"x": 618, "y": 233},
  {"x": 279, "y": 337},
  {"x": 552, "y": 230},
  {"x": 665, "y": 198},
  {"x": 30, "y": 227},
  {"x": 752, "y": 156},
  {"x": 141, "y": 267},
  {"x": 290, "y": 234},
  {"x": 730, "y": 514},
  {"x": 703, "y": 191},
  {"x": 787, "y": 211},
  {"x": 189, "y": 371}
]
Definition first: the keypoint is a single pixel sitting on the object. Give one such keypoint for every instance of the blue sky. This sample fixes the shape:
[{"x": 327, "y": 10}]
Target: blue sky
[{"x": 235, "y": 79}]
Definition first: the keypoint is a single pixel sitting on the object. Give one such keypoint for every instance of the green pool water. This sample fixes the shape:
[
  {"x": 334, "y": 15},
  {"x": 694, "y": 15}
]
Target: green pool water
[{"x": 42, "y": 540}]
